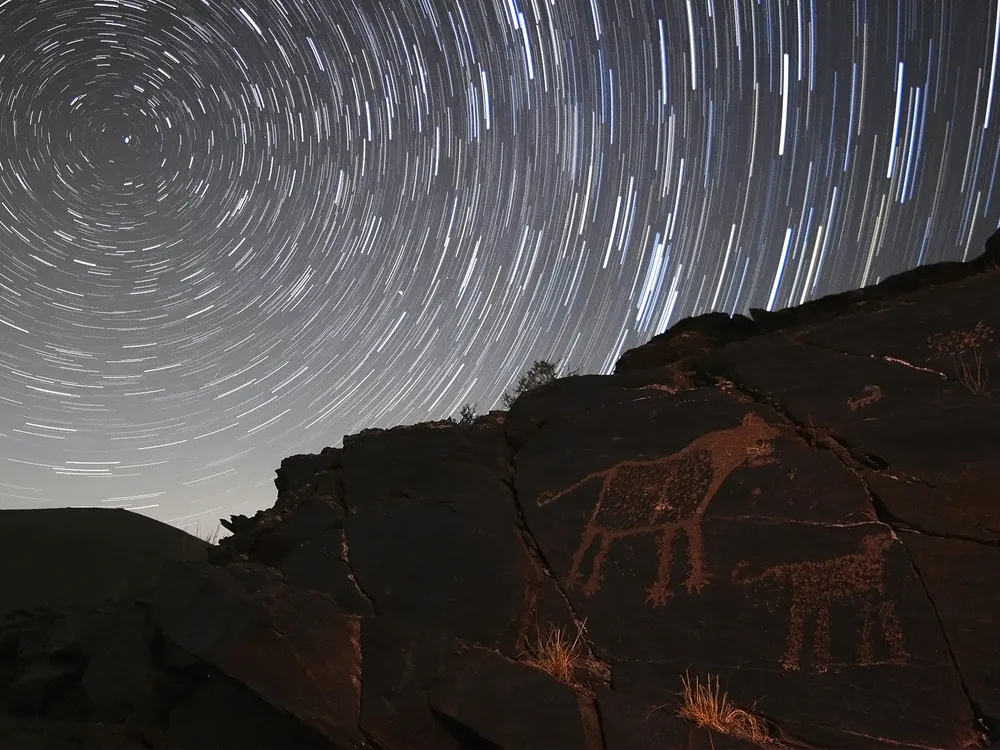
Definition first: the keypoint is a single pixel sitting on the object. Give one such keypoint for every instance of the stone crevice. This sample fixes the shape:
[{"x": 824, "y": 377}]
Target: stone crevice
[
  {"x": 354, "y": 579},
  {"x": 881, "y": 510},
  {"x": 882, "y": 514},
  {"x": 344, "y": 553},
  {"x": 887, "y": 517},
  {"x": 535, "y": 550},
  {"x": 852, "y": 457},
  {"x": 373, "y": 744},
  {"x": 464, "y": 734},
  {"x": 765, "y": 520},
  {"x": 885, "y": 357},
  {"x": 992, "y": 732},
  {"x": 849, "y": 457},
  {"x": 954, "y": 380}
]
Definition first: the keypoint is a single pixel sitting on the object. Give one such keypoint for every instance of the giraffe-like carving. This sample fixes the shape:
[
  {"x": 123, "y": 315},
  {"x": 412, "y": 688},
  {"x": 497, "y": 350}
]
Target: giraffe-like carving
[
  {"x": 661, "y": 496},
  {"x": 817, "y": 585}
]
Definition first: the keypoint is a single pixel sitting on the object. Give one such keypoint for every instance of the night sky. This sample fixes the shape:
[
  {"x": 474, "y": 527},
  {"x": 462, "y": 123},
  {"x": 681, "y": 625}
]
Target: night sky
[{"x": 232, "y": 232}]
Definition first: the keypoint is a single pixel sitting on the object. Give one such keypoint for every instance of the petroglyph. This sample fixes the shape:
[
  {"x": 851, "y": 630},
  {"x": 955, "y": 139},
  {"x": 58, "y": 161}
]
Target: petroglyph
[
  {"x": 818, "y": 585},
  {"x": 956, "y": 342},
  {"x": 664, "y": 495},
  {"x": 873, "y": 393}
]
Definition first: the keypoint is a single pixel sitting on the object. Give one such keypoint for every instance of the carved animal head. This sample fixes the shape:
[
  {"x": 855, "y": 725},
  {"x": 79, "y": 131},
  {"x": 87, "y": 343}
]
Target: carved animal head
[
  {"x": 877, "y": 544},
  {"x": 756, "y": 424},
  {"x": 756, "y": 435}
]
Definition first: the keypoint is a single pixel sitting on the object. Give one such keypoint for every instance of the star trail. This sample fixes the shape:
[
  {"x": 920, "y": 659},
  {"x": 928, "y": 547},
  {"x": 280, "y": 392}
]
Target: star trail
[{"x": 231, "y": 232}]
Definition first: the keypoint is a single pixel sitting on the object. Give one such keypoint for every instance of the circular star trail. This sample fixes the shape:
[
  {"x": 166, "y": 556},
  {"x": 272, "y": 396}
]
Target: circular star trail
[{"x": 231, "y": 232}]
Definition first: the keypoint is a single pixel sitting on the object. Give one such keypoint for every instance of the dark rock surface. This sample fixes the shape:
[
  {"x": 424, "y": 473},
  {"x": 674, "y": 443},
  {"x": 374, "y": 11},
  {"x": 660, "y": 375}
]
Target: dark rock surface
[{"x": 803, "y": 505}]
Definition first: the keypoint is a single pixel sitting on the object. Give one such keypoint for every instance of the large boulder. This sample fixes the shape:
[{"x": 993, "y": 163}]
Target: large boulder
[{"x": 58, "y": 558}]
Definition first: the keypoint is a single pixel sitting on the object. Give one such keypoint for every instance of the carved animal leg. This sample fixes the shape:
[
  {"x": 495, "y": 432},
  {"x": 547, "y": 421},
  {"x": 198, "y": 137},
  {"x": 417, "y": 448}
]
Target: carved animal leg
[
  {"x": 796, "y": 624},
  {"x": 697, "y": 577},
  {"x": 893, "y": 632},
  {"x": 821, "y": 639},
  {"x": 659, "y": 592},
  {"x": 594, "y": 582},
  {"x": 589, "y": 534},
  {"x": 865, "y": 656}
]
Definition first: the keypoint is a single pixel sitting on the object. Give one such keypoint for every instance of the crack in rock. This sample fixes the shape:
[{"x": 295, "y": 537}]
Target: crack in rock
[
  {"x": 977, "y": 711},
  {"x": 536, "y": 552},
  {"x": 897, "y": 361},
  {"x": 849, "y": 456},
  {"x": 350, "y": 574}
]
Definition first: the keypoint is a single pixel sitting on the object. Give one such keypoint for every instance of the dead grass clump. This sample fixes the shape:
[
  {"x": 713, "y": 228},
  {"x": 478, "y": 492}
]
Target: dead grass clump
[
  {"x": 974, "y": 375},
  {"x": 212, "y": 537},
  {"x": 708, "y": 708},
  {"x": 555, "y": 654}
]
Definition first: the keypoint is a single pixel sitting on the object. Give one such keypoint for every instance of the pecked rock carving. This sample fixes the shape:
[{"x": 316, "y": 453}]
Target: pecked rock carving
[
  {"x": 958, "y": 342},
  {"x": 873, "y": 394},
  {"x": 664, "y": 495},
  {"x": 818, "y": 585}
]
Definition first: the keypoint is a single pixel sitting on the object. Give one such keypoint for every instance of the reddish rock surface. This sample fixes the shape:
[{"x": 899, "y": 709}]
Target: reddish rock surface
[{"x": 802, "y": 504}]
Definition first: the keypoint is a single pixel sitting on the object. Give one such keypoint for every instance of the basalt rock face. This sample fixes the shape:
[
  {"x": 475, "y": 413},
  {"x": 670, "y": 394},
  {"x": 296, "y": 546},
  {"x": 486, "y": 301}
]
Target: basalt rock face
[
  {"x": 679, "y": 346},
  {"x": 801, "y": 505}
]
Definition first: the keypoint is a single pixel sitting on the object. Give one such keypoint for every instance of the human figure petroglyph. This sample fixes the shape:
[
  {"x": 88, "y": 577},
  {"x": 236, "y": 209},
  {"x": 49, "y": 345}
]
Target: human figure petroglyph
[
  {"x": 662, "y": 495},
  {"x": 816, "y": 585},
  {"x": 873, "y": 393}
]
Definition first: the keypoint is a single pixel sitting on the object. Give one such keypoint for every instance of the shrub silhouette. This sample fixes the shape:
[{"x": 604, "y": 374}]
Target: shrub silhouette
[
  {"x": 467, "y": 416},
  {"x": 541, "y": 372}
]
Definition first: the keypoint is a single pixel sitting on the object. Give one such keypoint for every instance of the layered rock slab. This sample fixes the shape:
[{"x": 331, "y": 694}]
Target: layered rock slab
[{"x": 732, "y": 548}]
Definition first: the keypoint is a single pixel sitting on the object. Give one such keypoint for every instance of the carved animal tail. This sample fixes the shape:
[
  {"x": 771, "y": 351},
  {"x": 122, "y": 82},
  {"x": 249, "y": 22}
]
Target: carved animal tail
[
  {"x": 750, "y": 580},
  {"x": 547, "y": 497}
]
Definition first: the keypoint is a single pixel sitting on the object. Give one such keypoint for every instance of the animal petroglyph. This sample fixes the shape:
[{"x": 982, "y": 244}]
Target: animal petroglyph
[
  {"x": 661, "y": 496},
  {"x": 873, "y": 393},
  {"x": 956, "y": 342},
  {"x": 818, "y": 585}
]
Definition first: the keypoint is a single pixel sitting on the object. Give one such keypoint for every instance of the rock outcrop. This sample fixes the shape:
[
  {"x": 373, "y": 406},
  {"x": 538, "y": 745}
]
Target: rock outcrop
[{"x": 801, "y": 508}]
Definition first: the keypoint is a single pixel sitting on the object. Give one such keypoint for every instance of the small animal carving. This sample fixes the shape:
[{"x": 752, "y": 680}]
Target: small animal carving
[
  {"x": 818, "y": 585},
  {"x": 873, "y": 393}
]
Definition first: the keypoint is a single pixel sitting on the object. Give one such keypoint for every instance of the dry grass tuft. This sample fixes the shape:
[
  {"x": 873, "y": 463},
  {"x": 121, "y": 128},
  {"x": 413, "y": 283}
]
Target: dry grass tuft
[
  {"x": 212, "y": 537},
  {"x": 975, "y": 375},
  {"x": 706, "y": 707},
  {"x": 555, "y": 654}
]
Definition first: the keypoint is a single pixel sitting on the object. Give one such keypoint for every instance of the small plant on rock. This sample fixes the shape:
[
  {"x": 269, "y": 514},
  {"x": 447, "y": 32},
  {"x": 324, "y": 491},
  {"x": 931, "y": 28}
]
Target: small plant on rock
[
  {"x": 212, "y": 537},
  {"x": 556, "y": 654},
  {"x": 973, "y": 375},
  {"x": 467, "y": 416},
  {"x": 541, "y": 372},
  {"x": 708, "y": 708}
]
